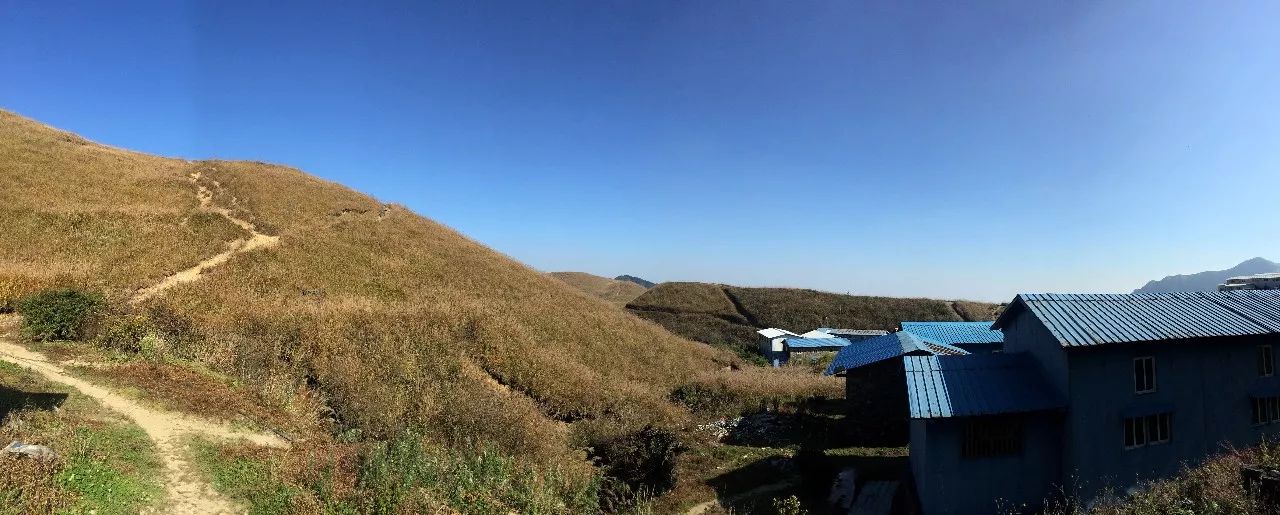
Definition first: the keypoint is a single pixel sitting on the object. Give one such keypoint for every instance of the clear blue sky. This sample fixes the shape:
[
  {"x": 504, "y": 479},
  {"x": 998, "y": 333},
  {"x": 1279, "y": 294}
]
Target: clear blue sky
[{"x": 891, "y": 148}]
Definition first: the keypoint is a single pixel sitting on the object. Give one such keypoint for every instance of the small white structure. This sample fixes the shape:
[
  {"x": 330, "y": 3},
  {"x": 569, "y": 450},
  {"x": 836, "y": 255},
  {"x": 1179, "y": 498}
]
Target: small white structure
[
  {"x": 1252, "y": 282},
  {"x": 774, "y": 339},
  {"x": 818, "y": 333}
]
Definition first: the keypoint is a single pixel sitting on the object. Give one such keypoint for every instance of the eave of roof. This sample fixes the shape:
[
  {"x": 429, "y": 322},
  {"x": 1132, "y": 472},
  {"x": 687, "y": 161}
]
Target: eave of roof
[
  {"x": 1078, "y": 320},
  {"x": 885, "y": 347},
  {"x": 975, "y": 385}
]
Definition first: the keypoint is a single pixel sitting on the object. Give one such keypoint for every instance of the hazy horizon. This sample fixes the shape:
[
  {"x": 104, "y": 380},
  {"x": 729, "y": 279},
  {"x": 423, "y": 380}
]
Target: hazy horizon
[{"x": 876, "y": 148}]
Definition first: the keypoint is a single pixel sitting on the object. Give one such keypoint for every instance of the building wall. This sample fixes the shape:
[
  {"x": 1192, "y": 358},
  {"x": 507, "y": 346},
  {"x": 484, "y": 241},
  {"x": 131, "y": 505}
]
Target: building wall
[
  {"x": 981, "y": 348},
  {"x": 876, "y": 396},
  {"x": 1207, "y": 385},
  {"x": 1025, "y": 333},
  {"x": 949, "y": 484}
]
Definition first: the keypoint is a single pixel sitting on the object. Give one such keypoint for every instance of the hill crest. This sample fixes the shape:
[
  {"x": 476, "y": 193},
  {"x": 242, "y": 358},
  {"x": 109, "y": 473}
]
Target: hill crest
[{"x": 1208, "y": 280}]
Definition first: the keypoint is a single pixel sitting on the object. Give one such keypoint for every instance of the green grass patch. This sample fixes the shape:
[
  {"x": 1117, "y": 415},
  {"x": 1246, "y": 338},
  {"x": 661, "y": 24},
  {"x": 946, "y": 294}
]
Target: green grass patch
[
  {"x": 404, "y": 475},
  {"x": 105, "y": 465}
]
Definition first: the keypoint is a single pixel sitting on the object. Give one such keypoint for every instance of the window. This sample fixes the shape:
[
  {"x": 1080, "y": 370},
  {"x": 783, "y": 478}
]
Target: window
[
  {"x": 1144, "y": 374},
  {"x": 992, "y": 436},
  {"x": 1266, "y": 410},
  {"x": 1266, "y": 362},
  {"x": 1147, "y": 430}
]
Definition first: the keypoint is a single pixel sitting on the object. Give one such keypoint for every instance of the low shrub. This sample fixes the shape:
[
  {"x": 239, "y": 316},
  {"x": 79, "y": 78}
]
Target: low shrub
[
  {"x": 636, "y": 466},
  {"x": 60, "y": 314},
  {"x": 124, "y": 333},
  {"x": 789, "y": 506}
]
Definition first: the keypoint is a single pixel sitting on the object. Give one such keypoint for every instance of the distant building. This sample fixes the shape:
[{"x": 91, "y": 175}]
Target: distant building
[
  {"x": 1092, "y": 392},
  {"x": 774, "y": 345},
  {"x": 853, "y": 335},
  {"x": 780, "y": 344},
  {"x": 975, "y": 337},
  {"x": 873, "y": 378},
  {"x": 1252, "y": 282}
]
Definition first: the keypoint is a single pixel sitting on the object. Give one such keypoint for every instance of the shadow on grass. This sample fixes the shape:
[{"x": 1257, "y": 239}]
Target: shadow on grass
[{"x": 12, "y": 400}]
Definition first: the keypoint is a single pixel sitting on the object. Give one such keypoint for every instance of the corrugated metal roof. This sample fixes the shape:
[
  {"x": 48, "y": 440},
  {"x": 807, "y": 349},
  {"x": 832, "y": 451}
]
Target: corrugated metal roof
[
  {"x": 854, "y": 332},
  {"x": 976, "y": 384},
  {"x": 955, "y": 333},
  {"x": 884, "y": 347},
  {"x": 1095, "y": 319},
  {"x": 774, "y": 332},
  {"x": 813, "y": 343}
]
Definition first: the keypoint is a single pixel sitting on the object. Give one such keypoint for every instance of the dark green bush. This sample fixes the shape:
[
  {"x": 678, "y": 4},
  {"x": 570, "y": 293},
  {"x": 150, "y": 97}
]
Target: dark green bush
[
  {"x": 60, "y": 314},
  {"x": 637, "y": 465}
]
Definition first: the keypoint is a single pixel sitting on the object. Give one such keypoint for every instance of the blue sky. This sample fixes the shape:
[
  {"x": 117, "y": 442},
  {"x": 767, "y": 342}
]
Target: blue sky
[{"x": 893, "y": 148}]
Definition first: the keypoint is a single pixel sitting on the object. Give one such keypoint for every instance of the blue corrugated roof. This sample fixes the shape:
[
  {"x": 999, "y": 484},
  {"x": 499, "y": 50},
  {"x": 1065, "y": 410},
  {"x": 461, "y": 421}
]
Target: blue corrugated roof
[
  {"x": 1095, "y": 319},
  {"x": 884, "y": 347},
  {"x": 815, "y": 343},
  {"x": 976, "y": 384},
  {"x": 955, "y": 333}
]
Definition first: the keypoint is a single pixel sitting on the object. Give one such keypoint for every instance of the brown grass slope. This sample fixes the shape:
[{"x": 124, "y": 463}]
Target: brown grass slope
[
  {"x": 729, "y": 315},
  {"x": 612, "y": 290},
  {"x": 396, "y": 320}
]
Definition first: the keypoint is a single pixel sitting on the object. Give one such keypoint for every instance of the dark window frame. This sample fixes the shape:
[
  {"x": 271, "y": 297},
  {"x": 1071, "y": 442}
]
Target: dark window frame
[
  {"x": 1145, "y": 430},
  {"x": 1264, "y": 410},
  {"x": 1266, "y": 361},
  {"x": 992, "y": 437},
  {"x": 1144, "y": 374}
]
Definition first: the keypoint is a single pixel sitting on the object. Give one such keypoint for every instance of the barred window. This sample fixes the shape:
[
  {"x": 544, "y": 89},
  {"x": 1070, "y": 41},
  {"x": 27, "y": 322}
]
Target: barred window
[
  {"x": 992, "y": 436},
  {"x": 1147, "y": 430},
  {"x": 1144, "y": 374},
  {"x": 1266, "y": 410}
]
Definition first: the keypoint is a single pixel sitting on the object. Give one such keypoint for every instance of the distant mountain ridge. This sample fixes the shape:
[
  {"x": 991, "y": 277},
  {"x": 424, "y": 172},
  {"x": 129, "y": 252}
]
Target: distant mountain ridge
[
  {"x": 637, "y": 280},
  {"x": 613, "y": 290},
  {"x": 1208, "y": 281}
]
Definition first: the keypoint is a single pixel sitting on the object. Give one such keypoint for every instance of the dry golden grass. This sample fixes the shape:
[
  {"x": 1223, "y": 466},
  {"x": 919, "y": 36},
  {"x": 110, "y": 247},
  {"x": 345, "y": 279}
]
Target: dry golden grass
[
  {"x": 612, "y": 290},
  {"x": 395, "y": 320},
  {"x": 809, "y": 309},
  {"x": 734, "y": 392},
  {"x": 978, "y": 311},
  {"x": 76, "y": 212},
  {"x": 684, "y": 297},
  {"x": 182, "y": 389}
]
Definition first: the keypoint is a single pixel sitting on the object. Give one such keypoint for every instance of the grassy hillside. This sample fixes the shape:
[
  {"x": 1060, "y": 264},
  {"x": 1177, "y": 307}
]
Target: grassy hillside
[
  {"x": 612, "y": 290},
  {"x": 395, "y": 323},
  {"x": 728, "y": 316}
]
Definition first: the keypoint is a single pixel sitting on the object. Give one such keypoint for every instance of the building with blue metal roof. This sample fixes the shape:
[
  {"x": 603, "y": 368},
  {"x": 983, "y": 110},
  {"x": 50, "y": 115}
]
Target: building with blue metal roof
[
  {"x": 873, "y": 378},
  {"x": 970, "y": 336},
  {"x": 1099, "y": 391},
  {"x": 983, "y": 427}
]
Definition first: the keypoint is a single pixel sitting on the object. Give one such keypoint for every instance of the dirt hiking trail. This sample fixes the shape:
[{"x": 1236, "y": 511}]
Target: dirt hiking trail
[
  {"x": 187, "y": 494},
  {"x": 255, "y": 241}
]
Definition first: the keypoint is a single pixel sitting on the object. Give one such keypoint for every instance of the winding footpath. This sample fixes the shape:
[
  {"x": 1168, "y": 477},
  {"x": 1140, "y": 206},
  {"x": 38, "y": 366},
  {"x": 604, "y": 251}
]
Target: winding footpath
[
  {"x": 255, "y": 241},
  {"x": 187, "y": 493}
]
